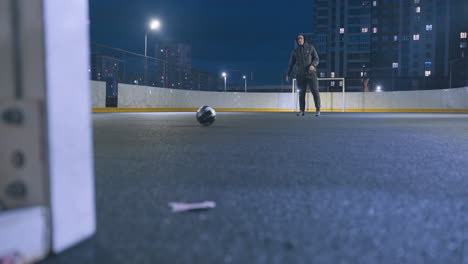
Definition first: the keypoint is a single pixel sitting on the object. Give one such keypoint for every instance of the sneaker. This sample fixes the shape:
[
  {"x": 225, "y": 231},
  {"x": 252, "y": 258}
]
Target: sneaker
[
  {"x": 301, "y": 113},
  {"x": 317, "y": 113}
]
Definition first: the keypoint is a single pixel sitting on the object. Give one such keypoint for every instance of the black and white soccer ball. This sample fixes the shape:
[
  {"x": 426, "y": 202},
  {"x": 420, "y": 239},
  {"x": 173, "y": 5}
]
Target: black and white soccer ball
[{"x": 206, "y": 115}]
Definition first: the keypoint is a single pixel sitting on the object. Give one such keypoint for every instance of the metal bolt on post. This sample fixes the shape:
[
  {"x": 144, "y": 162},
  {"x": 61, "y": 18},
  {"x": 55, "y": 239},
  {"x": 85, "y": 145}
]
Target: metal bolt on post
[
  {"x": 16, "y": 190},
  {"x": 13, "y": 116}
]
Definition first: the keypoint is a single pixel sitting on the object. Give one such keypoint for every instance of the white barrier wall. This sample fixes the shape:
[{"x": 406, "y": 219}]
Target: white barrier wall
[
  {"x": 426, "y": 99},
  {"x": 134, "y": 96},
  {"x": 98, "y": 93},
  {"x": 143, "y": 96}
]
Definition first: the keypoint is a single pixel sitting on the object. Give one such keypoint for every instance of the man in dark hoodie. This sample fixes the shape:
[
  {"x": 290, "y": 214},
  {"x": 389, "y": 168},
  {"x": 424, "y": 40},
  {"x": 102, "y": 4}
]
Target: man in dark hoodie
[{"x": 306, "y": 59}]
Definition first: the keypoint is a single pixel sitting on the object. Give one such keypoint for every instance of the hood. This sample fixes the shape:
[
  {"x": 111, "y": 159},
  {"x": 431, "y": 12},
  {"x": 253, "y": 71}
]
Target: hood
[{"x": 298, "y": 36}]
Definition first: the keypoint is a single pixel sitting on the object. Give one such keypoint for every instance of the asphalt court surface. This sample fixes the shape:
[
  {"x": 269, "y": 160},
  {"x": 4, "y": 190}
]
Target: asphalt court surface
[{"x": 339, "y": 188}]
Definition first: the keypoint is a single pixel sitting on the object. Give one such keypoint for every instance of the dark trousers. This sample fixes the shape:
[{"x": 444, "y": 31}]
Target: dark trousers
[{"x": 313, "y": 85}]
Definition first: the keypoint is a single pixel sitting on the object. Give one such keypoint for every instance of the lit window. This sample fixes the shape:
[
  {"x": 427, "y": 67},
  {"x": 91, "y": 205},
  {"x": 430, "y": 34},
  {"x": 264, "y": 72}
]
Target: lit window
[
  {"x": 341, "y": 83},
  {"x": 416, "y": 37},
  {"x": 332, "y": 83},
  {"x": 428, "y": 27},
  {"x": 427, "y": 73},
  {"x": 364, "y": 30},
  {"x": 395, "y": 38},
  {"x": 395, "y": 65},
  {"x": 374, "y": 30},
  {"x": 463, "y": 35},
  {"x": 341, "y": 30},
  {"x": 332, "y": 74},
  {"x": 374, "y": 3},
  {"x": 418, "y": 9},
  {"x": 322, "y": 74},
  {"x": 428, "y": 64}
]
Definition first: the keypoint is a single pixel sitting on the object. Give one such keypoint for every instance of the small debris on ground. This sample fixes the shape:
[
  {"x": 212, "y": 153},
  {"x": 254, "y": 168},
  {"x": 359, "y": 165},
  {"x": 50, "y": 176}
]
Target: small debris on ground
[{"x": 183, "y": 207}]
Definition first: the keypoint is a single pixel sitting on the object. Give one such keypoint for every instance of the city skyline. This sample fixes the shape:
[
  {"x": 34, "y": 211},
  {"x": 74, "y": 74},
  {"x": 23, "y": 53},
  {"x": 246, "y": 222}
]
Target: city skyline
[
  {"x": 363, "y": 31},
  {"x": 391, "y": 44},
  {"x": 235, "y": 35}
]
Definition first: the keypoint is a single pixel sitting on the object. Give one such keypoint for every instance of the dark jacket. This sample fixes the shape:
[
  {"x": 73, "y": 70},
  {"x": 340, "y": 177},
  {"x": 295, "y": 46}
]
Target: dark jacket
[{"x": 302, "y": 57}]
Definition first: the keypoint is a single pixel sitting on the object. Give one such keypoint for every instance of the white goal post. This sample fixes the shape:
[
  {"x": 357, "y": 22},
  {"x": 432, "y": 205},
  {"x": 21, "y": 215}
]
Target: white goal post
[
  {"x": 46, "y": 163},
  {"x": 294, "y": 90}
]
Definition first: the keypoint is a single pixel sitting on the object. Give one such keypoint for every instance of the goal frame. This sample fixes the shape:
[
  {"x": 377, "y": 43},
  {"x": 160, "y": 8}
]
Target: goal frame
[{"x": 294, "y": 89}]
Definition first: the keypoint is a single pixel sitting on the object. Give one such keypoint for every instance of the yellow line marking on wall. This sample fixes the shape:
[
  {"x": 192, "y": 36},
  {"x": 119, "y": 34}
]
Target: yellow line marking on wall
[{"x": 126, "y": 110}]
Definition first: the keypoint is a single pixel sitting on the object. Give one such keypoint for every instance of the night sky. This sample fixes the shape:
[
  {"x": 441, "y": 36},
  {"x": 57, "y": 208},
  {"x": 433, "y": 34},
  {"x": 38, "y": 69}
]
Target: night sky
[{"x": 224, "y": 35}]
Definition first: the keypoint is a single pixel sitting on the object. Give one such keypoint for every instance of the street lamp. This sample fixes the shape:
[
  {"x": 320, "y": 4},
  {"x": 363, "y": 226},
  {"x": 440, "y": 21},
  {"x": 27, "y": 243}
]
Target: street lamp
[
  {"x": 462, "y": 47},
  {"x": 154, "y": 25},
  {"x": 225, "y": 76},
  {"x": 245, "y": 82},
  {"x": 363, "y": 76},
  {"x": 394, "y": 68}
]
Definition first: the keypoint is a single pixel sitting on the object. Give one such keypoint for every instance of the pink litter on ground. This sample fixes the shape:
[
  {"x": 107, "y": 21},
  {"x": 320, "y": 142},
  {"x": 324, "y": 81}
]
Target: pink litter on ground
[{"x": 182, "y": 207}]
